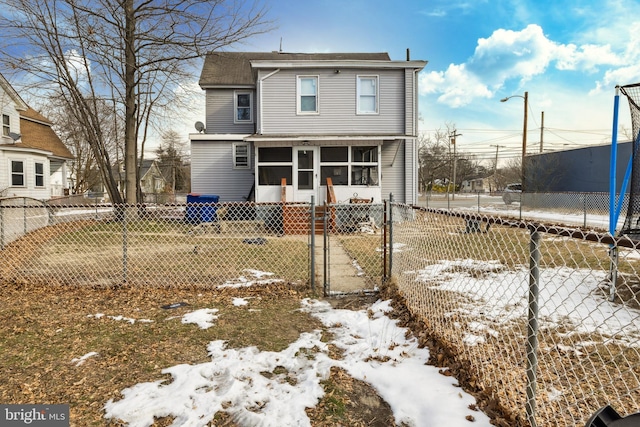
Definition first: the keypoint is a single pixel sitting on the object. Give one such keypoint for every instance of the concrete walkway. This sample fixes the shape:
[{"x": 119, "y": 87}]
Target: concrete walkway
[{"x": 344, "y": 275}]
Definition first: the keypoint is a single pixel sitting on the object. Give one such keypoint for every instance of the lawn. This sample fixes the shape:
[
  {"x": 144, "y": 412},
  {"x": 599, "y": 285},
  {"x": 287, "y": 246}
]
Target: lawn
[{"x": 46, "y": 330}]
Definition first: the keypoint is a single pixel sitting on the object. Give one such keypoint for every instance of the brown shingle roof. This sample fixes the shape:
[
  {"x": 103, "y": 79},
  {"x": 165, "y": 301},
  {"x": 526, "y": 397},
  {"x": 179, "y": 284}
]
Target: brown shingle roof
[
  {"x": 36, "y": 132},
  {"x": 234, "y": 68}
]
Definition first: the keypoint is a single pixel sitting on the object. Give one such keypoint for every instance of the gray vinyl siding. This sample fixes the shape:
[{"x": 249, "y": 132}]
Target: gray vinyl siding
[
  {"x": 220, "y": 113},
  {"x": 393, "y": 177},
  {"x": 410, "y": 175},
  {"x": 410, "y": 94},
  {"x": 212, "y": 171},
  {"x": 336, "y": 103}
]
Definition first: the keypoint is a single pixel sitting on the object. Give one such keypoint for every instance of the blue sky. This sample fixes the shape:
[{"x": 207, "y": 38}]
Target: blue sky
[{"x": 568, "y": 55}]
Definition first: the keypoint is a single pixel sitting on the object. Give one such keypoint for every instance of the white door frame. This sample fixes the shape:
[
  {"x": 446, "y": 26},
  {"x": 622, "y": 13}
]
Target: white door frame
[{"x": 306, "y": 176}]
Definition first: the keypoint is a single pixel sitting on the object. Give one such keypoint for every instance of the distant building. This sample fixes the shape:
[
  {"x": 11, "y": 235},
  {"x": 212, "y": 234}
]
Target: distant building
[
  {"x": 578, "y": 170},
  {"x": 33, "y": 159}
]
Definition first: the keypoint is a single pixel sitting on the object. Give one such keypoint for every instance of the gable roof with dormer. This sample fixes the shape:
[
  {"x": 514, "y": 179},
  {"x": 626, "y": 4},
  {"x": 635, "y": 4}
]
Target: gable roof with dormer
[{"x": 234, "y": 69}]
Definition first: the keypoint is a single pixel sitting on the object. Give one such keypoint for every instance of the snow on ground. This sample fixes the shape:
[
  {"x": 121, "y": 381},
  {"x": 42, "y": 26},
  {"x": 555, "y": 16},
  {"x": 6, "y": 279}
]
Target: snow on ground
[
  {"x": 567, "y": 298},
  {"x": 376, "y": 350}
]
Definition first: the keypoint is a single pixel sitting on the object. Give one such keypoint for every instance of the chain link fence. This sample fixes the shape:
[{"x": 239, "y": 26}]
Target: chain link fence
[
  {"x": 198, "y": 244},
  {"x": 528, "y": 311},
  {"x": 586, "y": 210}
]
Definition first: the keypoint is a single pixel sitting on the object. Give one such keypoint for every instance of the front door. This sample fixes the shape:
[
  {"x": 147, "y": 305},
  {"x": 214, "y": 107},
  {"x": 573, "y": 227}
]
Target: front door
[{"x": 305, "y": 177}]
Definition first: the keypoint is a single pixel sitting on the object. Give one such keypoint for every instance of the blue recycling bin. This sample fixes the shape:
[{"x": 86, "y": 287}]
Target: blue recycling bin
[{"x": 201, "y": 208}]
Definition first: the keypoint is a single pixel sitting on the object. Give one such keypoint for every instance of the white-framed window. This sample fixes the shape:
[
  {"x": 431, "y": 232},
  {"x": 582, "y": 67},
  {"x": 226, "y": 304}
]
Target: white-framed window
[
  {"x": 275, "y": 163},
  {"x": 17, "y": 173},
  {"x": 6, "y": 125},
  {"x": 367, "y": 95},
  {"x": 241, "y": 155},
  {"x": 364, "y": 165},
  {"x": 39, "y": 171},
  {"x": 307, "y": 89},
  {"x": 242, "y": 102},
  {"x": 334, "y": 164}
]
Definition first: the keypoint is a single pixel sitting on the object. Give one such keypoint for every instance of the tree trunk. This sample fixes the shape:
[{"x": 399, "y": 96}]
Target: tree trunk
[{"x": 130, "y": 142}]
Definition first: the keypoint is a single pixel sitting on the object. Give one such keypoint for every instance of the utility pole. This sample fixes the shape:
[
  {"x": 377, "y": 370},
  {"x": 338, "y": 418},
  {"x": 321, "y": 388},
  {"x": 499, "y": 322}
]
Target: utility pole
[
  {"x": 453, "y": 141},
  {"x": 495, "y": 168},
  {"x": 541, "y": 130}
]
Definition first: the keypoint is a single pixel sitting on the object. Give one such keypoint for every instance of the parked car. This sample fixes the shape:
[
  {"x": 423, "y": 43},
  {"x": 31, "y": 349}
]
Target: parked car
[{"x": 512, "y": 193}]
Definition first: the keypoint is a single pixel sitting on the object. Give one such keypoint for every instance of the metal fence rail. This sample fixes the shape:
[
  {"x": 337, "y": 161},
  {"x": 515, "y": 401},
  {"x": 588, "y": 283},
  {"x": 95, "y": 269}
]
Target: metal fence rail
[
  {"x": 203, "y": 244},
  {"x": 526, "y": 310},
  {"x": 586, "y": 210}
]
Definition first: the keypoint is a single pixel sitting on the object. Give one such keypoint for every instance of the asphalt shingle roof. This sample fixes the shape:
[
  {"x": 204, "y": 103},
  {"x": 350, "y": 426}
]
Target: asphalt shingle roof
[
  {"x": 36, "y": 132},
  {"x": 234, "y": 68}
]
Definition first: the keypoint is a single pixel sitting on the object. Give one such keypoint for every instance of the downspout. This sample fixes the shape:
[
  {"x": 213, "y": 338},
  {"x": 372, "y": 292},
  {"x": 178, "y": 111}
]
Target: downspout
[
  {"x": 260, "y": 130},
  {"x": 414, "y": 183}
]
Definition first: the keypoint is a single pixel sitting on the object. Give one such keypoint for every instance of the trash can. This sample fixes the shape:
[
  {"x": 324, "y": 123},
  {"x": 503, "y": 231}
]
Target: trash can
[
  {"x": 201, "y": 208},
  {"x": 209, "y": 207}
]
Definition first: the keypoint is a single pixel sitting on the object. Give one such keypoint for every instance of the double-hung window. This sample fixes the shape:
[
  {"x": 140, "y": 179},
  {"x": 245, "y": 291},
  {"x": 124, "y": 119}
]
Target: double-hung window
[
  {"x": 241, "y": 155},
  {"x": 367, "y": 94},
  {"x": 307, "y": 94},
  {"x": 39, "y": 169},
  {"x": 242, "y": 104},
  {"x": 6, "y": 125},
  {"x": 17, "y": 173}
]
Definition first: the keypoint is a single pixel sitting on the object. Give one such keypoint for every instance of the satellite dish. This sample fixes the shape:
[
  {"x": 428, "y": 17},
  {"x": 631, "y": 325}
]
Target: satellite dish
[{"x": 199, "y": 126}]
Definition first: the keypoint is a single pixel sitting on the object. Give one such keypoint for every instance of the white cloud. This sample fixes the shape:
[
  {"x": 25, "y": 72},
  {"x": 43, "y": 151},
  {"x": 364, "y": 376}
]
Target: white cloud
[{"x": 522, "y": 55}]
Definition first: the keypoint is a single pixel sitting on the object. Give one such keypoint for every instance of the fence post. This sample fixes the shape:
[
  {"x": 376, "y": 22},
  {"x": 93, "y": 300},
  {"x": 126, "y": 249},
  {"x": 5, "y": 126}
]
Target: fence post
[
  {"x": 312, "y": 245},
  {"x": 532, "y": 324},
  {"x": 390, "y": 234},
  {"x": 325, "y": 251},
  {"x": 124, "y": 212},
  {"x": 24, "y": 215},
  {"x": 1, "y": 226},
  {"x": 584, "y": 209}
]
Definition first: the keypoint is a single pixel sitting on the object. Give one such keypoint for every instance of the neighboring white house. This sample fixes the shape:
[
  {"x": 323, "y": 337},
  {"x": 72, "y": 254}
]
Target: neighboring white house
[
  {"x": 351, "y": 117},
  {"x": 32, "y": 157}
]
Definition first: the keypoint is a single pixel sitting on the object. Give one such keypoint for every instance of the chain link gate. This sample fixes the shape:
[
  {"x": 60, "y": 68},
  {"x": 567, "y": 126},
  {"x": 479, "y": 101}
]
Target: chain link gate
[{"x": 352, "y": 251}]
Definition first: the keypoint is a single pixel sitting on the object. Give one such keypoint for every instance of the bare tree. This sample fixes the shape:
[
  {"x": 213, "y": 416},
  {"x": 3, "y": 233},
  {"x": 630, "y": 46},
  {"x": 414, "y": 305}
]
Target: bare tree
[
  {"x": 434, "y": 158},
  {"x": 171, "y": 156},
  {"x": 133, "y": 53},
  {"x": 84, "y": 168}
]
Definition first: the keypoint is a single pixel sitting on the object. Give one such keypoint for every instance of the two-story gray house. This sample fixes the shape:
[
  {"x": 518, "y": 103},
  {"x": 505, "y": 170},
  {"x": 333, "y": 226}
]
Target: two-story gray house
[{"x": 351, "y": 117}]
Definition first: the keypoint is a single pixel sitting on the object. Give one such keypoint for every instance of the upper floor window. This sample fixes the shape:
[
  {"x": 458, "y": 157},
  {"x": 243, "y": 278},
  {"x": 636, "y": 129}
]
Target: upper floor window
[
  {"x": 39, "y": 174},
  {"x": 241, "y": 155},
  {"x": 307, "y": 94},
  {"x": 6, "y": 128},
  {"x": 17, "y": 173},
  {"x": 242, "y": 101},
  {"x": 367, "y": 94}
]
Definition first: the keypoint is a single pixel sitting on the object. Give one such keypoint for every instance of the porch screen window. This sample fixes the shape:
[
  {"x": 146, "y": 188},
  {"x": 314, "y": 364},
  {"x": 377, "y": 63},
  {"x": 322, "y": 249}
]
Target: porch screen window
[
  {"x": 367, "y": 94},
  {"x": 39, "y": 174},
  {"x": 241, "y": 156},
  {"x": 274, "y": 163},
  {"x": 17, "y": 173},
  {"x": 307, "y": 94},
  {"x": 334, "y": 164},
  {"x": 243, "y": 107},
  {"x": 364, "y": 165},
  {"x": 5, "y": 125}
]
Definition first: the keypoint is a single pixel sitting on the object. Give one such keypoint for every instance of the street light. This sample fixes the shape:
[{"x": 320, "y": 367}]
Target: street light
[{"x": 524, "y": 131}]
